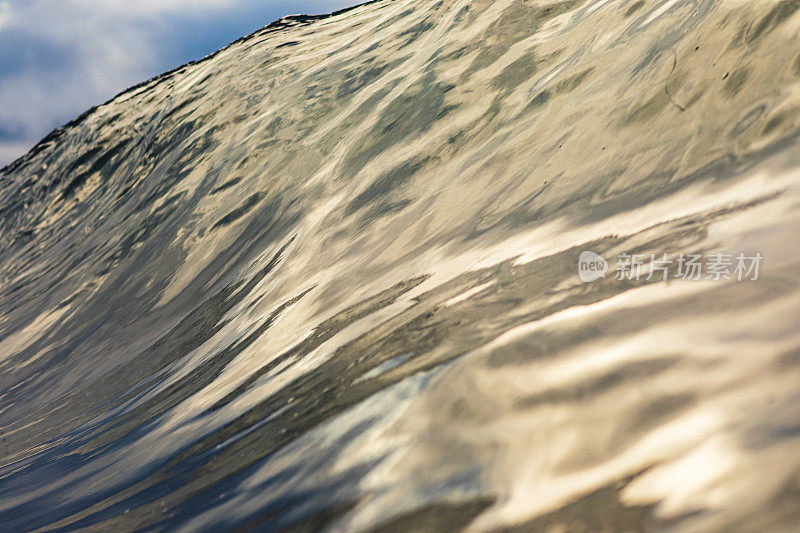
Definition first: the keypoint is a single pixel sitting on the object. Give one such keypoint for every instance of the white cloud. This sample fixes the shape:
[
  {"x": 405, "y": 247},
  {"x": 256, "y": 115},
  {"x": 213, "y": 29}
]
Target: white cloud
[
  {"x": 151, "y": 7},
  {"x": 10, "y": 151},
  {"x": 5, "y": 14}
]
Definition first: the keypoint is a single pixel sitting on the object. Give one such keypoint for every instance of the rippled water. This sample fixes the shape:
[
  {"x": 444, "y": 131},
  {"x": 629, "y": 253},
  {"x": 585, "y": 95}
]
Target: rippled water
[{"x": 328, "y": 278}]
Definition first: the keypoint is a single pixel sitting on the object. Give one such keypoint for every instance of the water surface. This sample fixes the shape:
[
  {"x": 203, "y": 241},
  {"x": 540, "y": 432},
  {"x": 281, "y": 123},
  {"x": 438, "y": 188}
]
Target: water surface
[{"x": 328, "y": 279}]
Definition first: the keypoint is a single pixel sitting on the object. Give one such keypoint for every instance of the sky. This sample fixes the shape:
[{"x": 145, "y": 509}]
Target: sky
[{"x": 61, "y": 57}]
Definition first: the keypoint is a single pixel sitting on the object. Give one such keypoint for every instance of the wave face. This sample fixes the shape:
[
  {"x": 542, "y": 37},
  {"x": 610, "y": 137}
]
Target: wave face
[{"x": 328, "y": 278}]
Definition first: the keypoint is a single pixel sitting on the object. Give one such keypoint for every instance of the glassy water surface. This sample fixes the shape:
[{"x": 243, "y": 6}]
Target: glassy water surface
[{"x": 329, "y": 279}]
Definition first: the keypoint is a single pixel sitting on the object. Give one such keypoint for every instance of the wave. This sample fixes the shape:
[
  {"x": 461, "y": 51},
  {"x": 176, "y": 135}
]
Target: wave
[{"x": 328, "y": 278}]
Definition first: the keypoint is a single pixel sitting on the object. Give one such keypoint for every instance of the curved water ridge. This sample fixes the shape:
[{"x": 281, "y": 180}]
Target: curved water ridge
[{"x": 329, "y": 278}]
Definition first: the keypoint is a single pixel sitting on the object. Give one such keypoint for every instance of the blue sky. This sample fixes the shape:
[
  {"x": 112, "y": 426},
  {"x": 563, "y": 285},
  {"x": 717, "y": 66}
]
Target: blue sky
[{"x": 61, "y": 57}]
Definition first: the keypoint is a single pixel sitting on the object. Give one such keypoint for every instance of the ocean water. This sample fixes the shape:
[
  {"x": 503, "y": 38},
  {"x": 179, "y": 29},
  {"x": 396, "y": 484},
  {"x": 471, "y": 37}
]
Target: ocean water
[{"x": 328, "y": 279}]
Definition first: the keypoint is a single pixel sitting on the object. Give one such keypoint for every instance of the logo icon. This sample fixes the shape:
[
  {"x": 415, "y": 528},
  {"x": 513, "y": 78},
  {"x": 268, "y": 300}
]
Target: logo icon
[{"x": 591, "y": 267}]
